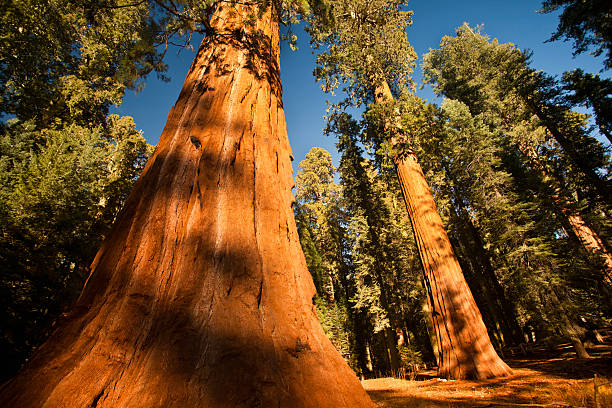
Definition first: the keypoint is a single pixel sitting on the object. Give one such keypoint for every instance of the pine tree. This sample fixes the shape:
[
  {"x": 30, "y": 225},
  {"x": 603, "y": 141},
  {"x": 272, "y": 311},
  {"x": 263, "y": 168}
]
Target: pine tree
[
  {"x": 587, "y": 23},
  {"x": 513, "y": 96},
  {"x": 67, "y": 166},
  {"x": 60, "y": 191},
  {"x": 321, "y": 224},
  {"x": 593, "y": 92}
]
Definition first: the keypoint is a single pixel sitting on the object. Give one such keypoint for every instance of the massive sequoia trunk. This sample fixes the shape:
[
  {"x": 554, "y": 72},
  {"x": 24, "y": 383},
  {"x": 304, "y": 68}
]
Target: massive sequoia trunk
[
  {"x": 200, "y": 296},
  {"x": 464, "y": 348}
]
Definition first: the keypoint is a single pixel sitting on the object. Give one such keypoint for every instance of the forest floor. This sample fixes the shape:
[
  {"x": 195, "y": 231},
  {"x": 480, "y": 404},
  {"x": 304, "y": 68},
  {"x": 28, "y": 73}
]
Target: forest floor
[{"x": 543, "y": 378}]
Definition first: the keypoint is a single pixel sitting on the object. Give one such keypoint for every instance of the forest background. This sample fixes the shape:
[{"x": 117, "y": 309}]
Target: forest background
[{"x": 40, "y": 223}]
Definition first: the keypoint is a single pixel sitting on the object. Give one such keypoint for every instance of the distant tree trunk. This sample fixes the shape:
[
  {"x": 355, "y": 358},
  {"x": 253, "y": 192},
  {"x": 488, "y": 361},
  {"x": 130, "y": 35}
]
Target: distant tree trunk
[
  {"x": 470, "y": 268},
  {"x": 200, "y": 296},
  {"x": 571, "y": 148},
  {"x": 590, "y": 242},
  {"x": 361, "y": 343},
  {"x": 576, "y": 342},
  {"x": 465, "y": 350},
  {"x": 433, "y": 339},
  {"x": 586, "y": 235},
  {"x": 388, "y": 333},
  {"x": 424, "y": 343},
  {"x": 572, "y": 331},
  {"x": 357, "y": 320}
]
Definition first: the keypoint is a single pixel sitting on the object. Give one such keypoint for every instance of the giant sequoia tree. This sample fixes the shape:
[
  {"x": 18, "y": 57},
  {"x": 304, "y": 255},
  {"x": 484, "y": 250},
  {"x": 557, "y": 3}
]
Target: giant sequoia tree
[
  {"x": 364, "y": 45},
  {"x": 199, "y": 296}
]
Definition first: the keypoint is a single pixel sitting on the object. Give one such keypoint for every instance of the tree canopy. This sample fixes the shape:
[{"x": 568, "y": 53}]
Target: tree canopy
[{"x": 587, "y": 23}]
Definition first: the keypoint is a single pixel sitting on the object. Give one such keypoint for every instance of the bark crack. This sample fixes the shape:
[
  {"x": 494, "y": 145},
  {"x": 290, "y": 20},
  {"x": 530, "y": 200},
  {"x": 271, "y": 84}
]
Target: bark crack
[{"x": 94, "y": 403}]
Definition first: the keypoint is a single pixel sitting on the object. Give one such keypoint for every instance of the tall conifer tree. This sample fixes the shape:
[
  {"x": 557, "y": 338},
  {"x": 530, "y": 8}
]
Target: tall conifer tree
[{"x": 494, "y": 94}]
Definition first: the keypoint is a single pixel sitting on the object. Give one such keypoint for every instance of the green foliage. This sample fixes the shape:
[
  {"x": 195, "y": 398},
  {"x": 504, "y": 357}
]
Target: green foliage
[
  {"x": 412, "y": 358},
  {"x": 367, "y": 273},
  {"x": 356, "y": 240},
  {"x": 334, "y": 319},
  {"x": 362, "y": 43},
  {"x": 66, "y": 166},
  {"x": 476, "y": 70},
  {"x": 414, "y": 125},
  {"x": 60, "y": 190},
  {"x": 593, "y": 92},
  {"x": 582, "y": 154},
  {"x": 314, "y": 261},
  {"x": 64, "y": 60},
  {"x": 314, "y": 180},
  {"x": 587, "y": 23},
  {"x": 320, "y": 204},
  {"x": 320, "y": 219},
  {"x": 513, "y": 160},
  {"x": 496, "y": 80},
  {"x": 183, "y": 17},
  {"x": 383, "y": 252}
]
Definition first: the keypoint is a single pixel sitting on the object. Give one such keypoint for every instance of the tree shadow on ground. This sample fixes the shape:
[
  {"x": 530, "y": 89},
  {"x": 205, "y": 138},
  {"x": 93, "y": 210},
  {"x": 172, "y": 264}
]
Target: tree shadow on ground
[
  {"x": 554, "y": 378},
  {"x": 562, "y": 362}
]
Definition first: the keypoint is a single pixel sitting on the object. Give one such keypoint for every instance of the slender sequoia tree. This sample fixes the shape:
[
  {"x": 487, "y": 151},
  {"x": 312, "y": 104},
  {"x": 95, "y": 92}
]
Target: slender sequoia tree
[
  {"x": 367, "y": 47},
  {"x": 465, "y": 349},
  {"x": 199, "y": 295},
  {"x": 492, "y": 89}
]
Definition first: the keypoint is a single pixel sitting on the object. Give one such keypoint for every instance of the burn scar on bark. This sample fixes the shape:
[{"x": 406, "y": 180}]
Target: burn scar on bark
[
  {"x": 237, "y": 147},
  {"x": 94, "y": 403},
  {"x": 300, "y": 347},
  {"x": 259, "y": 293},
  {"x": 196, "y": 142}
]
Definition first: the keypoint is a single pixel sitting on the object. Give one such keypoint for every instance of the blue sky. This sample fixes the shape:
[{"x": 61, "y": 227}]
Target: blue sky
[{"x": 508, "y": 21}]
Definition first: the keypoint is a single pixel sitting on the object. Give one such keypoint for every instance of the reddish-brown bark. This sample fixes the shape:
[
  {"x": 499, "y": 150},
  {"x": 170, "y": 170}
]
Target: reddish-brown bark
[
  {"x": 200, "y": 296},
  {"x": 589, "y": 239},
  {"x": 464, "y": 347}
]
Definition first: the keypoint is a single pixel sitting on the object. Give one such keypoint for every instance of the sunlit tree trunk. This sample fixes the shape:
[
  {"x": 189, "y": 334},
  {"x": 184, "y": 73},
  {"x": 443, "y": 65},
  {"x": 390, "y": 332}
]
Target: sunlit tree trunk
[
  {"x": 464, "y": 347},
  {"x": 590, "y": 241},
  {"x": 200, "y": 296}
]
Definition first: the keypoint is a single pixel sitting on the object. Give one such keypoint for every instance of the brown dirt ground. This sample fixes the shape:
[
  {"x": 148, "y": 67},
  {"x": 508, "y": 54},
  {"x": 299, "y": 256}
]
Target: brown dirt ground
[{"x": 544, "y": 378}]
